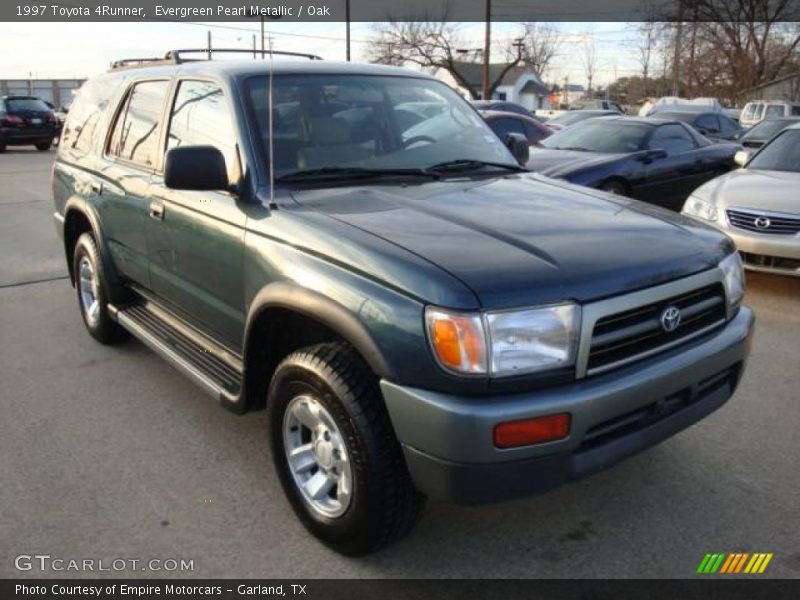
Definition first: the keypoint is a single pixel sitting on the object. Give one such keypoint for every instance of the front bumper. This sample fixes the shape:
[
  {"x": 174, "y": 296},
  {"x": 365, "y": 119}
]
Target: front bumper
[
  {"x": 447, "y": 440},
  {"x": 767, "y": 253}
]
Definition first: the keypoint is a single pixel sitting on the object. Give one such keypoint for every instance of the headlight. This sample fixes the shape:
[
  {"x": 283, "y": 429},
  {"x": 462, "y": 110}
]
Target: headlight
[
  {"x": 697, "y": 207},
  {"x": 734, "y": 278},
  {"x": 505, "y": 343}
]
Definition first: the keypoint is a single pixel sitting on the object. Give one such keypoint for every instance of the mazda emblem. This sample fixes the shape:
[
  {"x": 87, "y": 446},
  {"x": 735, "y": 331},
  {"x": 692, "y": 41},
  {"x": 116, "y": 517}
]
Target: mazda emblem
[
  {"x": 670, "y": 319},
  {"x": 762, "y": 222}
]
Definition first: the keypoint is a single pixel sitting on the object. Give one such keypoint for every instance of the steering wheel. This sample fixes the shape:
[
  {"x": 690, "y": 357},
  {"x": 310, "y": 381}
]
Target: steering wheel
[{"x": 417, "y": 139}]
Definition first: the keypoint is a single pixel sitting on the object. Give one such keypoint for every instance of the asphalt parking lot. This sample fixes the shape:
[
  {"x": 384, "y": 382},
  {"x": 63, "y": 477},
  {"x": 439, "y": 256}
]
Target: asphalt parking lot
[{"x": 109, "y": 453}]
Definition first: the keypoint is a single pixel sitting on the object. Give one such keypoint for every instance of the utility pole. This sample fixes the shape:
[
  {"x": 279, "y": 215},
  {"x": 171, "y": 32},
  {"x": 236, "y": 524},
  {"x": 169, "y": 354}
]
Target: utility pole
[
  {"x": 347, "y": 21},
  {"x": 262, "y": 37},
  {"x": 209, "y": 44},
  {"x": 677, "y": 54},
  {"x": 486, "y": 43},
  {"x": 254, "y": 46}
]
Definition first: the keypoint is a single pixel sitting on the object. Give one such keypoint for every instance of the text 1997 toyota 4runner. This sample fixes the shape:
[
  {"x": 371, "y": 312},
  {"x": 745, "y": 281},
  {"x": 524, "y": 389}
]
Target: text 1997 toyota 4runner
[{"x": 419, "y": 315}]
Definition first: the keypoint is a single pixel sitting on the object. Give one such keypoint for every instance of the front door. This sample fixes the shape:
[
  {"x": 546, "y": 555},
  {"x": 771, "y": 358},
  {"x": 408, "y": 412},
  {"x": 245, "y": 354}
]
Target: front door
[{"x": 195, "y": 239}]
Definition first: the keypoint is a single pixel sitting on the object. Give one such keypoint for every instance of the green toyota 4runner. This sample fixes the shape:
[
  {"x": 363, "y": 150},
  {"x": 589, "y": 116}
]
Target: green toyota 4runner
[{"x": 353, "y": 249}]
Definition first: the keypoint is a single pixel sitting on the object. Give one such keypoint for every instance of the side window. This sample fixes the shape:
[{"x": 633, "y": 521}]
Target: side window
[
  {"x": 200, "y": 117},
  {"x": 796, "y": 110},
  {"x": 502, "y": 127},
  {"x": 708, "y": 122},
  {"x": 749, "y": 111},
  {"x": 86, "y": 113},
  {"x": 672, "y": 138},
  {"x": 727, "y": 125},
  {"x": 773, "y": 110},
  {"x": 135, "y": 136}
]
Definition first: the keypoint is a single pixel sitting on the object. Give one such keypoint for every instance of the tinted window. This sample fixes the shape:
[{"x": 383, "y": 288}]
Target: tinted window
[
  {"x": 766, "y": 129},
  {"x": 727, "y": 125},
  {"x": 200, "y": 117},
  {"x": 796, "y": 111},
  {"x": 26, "y": 105},
  {"x": 502, "y": 127},
  {"x": 707, "y": 122},
  {"x": 93, "y": 97},
  {"x": 773, "y": 110},
  {"x": 600, "y": 135},
  {"x": 135, "y": 136},
  {"x": 781, "y": 154},
  {"x": 672, "y": 138}
]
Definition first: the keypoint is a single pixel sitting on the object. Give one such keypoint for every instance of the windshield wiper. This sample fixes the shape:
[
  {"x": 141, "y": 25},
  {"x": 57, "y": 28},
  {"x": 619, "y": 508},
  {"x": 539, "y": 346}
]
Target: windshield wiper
[
  {"x": 578, "y": 148},
  {"x": 464, "y": 164},
  {"x": 352, "y": 173}
]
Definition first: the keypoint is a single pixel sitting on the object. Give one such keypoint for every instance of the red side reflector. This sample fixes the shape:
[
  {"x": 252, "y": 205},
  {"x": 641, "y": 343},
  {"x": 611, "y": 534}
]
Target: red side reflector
[{"x": 532, "y": 431}]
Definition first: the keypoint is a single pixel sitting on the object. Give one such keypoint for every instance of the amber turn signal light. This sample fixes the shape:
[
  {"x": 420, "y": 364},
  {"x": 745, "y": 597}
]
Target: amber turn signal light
[{"x": 532, "y": 431}]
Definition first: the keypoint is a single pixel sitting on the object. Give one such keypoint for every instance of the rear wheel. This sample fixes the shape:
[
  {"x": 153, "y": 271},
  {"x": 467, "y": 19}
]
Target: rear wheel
[
  {"x": 92, "y": 297},
  {"x": 336, "y": 453},
  {"x": 2, "y": 148},
  {"x": 42, "y": 146}
]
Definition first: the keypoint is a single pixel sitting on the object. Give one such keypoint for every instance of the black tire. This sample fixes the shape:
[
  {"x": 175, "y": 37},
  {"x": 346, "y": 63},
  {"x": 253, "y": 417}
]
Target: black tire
[
  {"x": 614, "y": 186},
  {"x": 42, "y": 146},
  {"x": 102, "y": 327},
  {"x": 384, "y": 504},
  {"x": 2, "y": 148}
]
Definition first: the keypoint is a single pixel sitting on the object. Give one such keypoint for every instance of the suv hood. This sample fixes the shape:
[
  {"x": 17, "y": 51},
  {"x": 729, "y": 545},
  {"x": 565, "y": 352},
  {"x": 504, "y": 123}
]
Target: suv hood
[{"x": 522, "y": 240}]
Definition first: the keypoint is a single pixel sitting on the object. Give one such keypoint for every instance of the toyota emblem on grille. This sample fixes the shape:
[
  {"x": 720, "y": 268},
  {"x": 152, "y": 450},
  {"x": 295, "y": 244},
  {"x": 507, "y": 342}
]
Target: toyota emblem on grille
[
  {"x": 762, "y": 222},
  {"x": 670, "y": 319}
]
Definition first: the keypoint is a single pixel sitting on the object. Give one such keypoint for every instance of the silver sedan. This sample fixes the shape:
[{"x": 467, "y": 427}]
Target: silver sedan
[{"x": 758, "y": 205}]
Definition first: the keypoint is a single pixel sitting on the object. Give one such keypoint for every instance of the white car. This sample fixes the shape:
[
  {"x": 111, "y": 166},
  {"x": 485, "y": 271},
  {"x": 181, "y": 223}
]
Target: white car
[{"x": 758, "y": 206}]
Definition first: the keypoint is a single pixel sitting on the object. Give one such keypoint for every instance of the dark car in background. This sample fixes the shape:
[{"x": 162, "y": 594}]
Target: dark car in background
[
  {"x": 760, "y": 133},
  {"x": 651, "y": 159},
  {"x": 713, "y": 125},
  {"x": 572, "y": 117},
  {"x": 503, "y": 123},
  {"x": 27, "y": 121},
  {"x": 501, "y": 105}
]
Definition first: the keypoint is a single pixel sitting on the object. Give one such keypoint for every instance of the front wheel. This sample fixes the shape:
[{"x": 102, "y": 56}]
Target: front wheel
[
  {"x": 614, "y": 187},
  {"x": 42, "y": 146},
  {"x": 336, "y": 453}
]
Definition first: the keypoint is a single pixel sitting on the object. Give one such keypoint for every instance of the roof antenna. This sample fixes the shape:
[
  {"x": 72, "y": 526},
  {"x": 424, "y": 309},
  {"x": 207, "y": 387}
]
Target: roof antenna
[{"x": 272, "y": 204}]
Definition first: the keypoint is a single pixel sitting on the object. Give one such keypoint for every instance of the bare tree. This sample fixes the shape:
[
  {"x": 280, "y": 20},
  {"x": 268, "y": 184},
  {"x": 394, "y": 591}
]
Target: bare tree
[
  {"x": 648, "y": 38},
  {"x": 434, "y": 44},
  {"x": 589, "y": 58},
  {"x": 540, "y": 44}
]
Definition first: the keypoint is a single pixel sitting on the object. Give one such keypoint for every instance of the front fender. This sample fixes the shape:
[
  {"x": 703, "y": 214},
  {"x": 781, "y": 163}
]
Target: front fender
[{"x": 327, "y": 311}]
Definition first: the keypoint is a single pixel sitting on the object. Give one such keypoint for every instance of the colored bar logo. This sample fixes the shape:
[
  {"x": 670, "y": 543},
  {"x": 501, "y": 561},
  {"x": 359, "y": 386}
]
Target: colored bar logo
[{"x": 734, "y": 562}]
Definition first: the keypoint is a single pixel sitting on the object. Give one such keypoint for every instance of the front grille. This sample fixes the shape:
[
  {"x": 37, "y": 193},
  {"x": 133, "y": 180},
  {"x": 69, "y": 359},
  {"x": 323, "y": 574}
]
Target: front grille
[
  {"x": 764, "y": 222},
  {"x": 770, "y": 262},
  {"x": 623, "y": 337},
  {"x": 641, "y": 418}
]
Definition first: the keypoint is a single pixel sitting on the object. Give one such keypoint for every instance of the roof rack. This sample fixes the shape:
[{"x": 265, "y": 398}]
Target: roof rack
[
  {"x": 176, "y": 54},
  {"x": 177, "y": 57}
]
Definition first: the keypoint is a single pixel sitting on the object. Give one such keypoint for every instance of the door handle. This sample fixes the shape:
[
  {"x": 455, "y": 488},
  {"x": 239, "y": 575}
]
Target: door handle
[{"x": 157, "y": 211}]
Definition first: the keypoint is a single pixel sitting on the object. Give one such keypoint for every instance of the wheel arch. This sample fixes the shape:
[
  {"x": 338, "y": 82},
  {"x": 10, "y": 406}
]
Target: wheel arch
[
  {"x": 617, "y": 179},
  {"x": 293, "y": 317}
]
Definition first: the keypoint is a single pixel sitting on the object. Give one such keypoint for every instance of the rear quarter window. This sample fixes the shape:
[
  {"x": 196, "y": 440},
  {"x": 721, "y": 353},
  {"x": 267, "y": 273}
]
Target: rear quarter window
[{"x": 86, "y": 114}]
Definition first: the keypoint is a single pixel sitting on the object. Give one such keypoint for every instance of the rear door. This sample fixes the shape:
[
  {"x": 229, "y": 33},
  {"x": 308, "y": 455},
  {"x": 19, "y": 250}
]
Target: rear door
[
  {"x": 131, "y": 155},
  {"x": 195, "y": 239}
]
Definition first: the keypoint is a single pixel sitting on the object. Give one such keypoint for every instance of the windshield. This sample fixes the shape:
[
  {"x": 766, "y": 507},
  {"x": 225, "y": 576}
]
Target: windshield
[
  {"x": 26, "y": 104},
  {"x": 766, "y": 129},
  {"x": 600, "y": 135},
  {"x": 781, "y": 154},
  {"x": 369, "y": 122}
]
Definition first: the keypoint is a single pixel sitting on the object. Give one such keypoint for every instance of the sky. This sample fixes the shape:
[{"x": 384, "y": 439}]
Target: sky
[{"x": 77, "y": 50}]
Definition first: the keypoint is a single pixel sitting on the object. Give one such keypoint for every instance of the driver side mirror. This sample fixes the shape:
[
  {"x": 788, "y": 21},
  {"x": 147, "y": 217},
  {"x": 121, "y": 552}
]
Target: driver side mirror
[
  {"x": 200, "y": 168},
  {"x": 741, "y": 157},
  {"x": 518, "y": 144}
]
